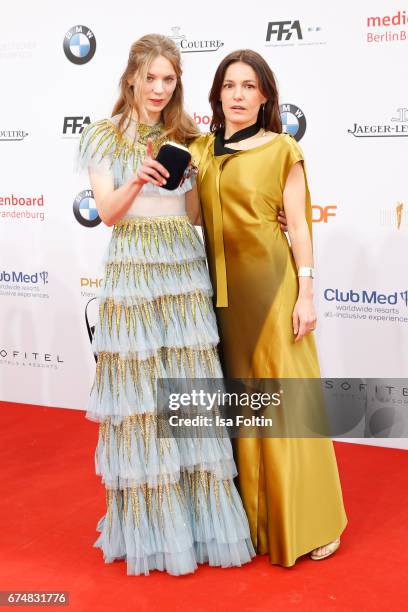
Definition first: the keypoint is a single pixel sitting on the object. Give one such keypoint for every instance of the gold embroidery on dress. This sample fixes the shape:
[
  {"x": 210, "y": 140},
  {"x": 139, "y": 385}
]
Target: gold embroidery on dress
[
  {"x": 118, "y": 146},
  {"x": 163, "y": 307},
  {"x": 114, "y": 270},
  {"x": 195, "y": 485},
  {"x": 164, "y": 228},
  {"x": 134, "y": 496}
]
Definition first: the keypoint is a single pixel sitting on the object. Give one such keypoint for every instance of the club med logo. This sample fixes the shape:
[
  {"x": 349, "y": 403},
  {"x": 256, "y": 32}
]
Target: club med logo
[
  {"x": 293, "y": 120},
  {"x": 22, "y": 284},
  {"x": 387, "y": 29},
  {"x": 397, "y": 127},
  {"x": 322, "y": 214},
  {"x": 85, "y": 210},
  {"x": 194, "y": 46},
  {"x": 74, "y": 125},
  {"x": 289, "y": 33},
  {"x": 79, "y": 44},
  {"x": 21, "y": 277},
  {"x": 12, "y": 135},
  {"x": 365, "y": 297}
]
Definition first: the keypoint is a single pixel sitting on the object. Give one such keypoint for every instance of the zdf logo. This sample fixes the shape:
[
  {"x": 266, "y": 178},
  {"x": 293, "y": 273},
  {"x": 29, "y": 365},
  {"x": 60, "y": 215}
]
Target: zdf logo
[{"x": 322, "y": 213}]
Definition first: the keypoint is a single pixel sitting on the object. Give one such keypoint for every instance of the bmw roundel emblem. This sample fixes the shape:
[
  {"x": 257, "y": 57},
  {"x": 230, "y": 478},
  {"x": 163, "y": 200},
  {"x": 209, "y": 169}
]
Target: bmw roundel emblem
[
  {"x": 85, "y": 210},
  {"x": 79, "y": 44},
  {"x": 293, "y": 120}
]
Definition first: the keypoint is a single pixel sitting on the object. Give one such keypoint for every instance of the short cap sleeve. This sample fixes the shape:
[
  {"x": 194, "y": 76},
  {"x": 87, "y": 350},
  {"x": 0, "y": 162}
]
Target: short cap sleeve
[
  {"x": 197, "y": 148},
  {"x": 293, "y": 154},
  {"x": 95, "y": 147}
]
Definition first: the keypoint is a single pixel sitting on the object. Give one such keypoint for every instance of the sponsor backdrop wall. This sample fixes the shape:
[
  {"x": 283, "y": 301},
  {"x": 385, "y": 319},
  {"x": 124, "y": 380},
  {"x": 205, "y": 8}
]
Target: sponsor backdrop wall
[{"x": 341, "y": 71}]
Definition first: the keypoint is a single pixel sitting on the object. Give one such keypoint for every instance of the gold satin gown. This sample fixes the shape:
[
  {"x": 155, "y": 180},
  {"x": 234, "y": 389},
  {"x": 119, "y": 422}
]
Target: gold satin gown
[{"x": 290, "y": 487}]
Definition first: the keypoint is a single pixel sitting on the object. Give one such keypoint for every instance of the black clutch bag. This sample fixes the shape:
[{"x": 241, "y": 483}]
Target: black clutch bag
[{"x": 176, "y": 159}]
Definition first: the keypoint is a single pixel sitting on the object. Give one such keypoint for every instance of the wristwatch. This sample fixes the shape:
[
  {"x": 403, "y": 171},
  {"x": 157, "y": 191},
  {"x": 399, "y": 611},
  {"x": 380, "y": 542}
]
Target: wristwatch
[{"x": 305, "y": 271}]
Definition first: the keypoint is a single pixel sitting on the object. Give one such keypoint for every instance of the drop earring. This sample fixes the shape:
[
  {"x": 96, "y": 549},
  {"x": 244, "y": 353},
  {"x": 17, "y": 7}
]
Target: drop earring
[{"x": 263, "y": 119}]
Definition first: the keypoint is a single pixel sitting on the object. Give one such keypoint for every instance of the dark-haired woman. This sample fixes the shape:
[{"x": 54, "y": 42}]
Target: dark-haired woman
[{"x": 249, "y": 171}]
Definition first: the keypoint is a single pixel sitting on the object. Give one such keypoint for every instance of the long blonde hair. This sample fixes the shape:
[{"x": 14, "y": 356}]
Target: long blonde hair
[{"x": 178, "y": 125}]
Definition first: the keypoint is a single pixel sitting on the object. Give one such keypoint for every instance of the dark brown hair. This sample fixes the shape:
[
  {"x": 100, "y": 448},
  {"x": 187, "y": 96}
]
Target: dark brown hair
[
  {"x": 177, "y": 124},
  {"x": 266, "y": 83}
]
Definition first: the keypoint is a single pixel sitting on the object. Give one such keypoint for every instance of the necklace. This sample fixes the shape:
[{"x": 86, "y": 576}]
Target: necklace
[{"x": 145, "y": 131}]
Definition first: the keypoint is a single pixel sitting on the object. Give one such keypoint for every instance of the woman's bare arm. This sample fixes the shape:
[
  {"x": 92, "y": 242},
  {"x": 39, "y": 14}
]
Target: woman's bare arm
[
  {"x": 294, "y": 201},
  {"x": 113, "y": 203},
  {"x": 193, "y": 206}
]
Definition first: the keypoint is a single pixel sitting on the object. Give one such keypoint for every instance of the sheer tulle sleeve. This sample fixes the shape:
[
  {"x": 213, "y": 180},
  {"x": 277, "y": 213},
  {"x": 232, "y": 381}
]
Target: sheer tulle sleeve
[{"x": 95, "y": 149}]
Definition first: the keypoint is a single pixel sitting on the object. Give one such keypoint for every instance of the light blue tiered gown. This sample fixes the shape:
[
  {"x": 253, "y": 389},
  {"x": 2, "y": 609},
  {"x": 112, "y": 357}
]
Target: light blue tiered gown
[{"x": 171, "y": 503}]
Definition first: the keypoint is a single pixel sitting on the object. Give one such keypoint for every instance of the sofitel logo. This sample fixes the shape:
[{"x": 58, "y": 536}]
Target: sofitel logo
[
  {"x": 30, "y": 356},
  {"x": 397, "y": 127},
  {"x": 194, "y": 46}
]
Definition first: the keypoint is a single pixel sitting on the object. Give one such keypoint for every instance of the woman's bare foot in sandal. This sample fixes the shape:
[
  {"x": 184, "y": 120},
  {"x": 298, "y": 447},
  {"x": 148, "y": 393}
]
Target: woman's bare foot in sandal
[{"x": 325, "y": 551}]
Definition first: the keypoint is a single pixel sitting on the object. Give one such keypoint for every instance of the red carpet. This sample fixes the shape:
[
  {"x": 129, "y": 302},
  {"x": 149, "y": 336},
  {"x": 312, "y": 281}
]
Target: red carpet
[{"x": 51, "y": 500}]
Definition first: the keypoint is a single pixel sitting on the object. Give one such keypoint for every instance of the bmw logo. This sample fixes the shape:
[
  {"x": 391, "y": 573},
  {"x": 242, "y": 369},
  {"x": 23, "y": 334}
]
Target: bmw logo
[
  {"x": 293, "y": 120},
  {"x": 85, "y": 210},
  {"x": 79, "y": 44}
]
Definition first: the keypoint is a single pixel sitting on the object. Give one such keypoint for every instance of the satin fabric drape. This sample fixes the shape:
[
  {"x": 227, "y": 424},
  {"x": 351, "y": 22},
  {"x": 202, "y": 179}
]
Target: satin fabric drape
[{"x": 290, "y": 486}]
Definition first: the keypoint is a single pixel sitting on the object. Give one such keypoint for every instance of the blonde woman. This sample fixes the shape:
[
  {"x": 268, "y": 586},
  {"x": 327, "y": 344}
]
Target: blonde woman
[{"x": 171, "y": 504}]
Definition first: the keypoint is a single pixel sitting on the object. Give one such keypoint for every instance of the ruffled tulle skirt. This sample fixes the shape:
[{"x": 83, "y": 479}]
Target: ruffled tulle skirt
[{"x": 170, "y": 502}]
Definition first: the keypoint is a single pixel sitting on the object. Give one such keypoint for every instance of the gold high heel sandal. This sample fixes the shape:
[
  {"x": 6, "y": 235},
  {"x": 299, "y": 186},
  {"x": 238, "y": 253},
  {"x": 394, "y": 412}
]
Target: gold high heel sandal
[{"x": 333, "y": 546}]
